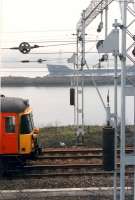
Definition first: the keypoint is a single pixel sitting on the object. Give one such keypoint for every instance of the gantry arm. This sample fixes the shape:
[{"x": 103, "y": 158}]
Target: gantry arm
[{"x": 92, "y": 11}]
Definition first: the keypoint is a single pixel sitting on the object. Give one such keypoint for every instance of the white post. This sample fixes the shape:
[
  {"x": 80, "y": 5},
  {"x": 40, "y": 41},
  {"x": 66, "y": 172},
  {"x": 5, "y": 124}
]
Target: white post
[
  {"x": 108, "y": 110},
  {"x": 134, "y": 146},
  {"x": 116, "y": 53},
  {"x": 115, "y": 119},
  {"x": 77, "y": 83},
  {"x": 74, "y": 83},
  {"x": 106, "y": 19},
  {"x": 123, "y": 84},
  {"x": 115, "y": 126},
  {"x": 82, "y": 134},
  {"x": 83, "y": 62}
]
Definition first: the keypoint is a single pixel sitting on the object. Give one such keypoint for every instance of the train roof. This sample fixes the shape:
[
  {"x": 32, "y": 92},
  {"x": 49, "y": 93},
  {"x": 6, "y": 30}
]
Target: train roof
[{"x": 13, "y": 104}]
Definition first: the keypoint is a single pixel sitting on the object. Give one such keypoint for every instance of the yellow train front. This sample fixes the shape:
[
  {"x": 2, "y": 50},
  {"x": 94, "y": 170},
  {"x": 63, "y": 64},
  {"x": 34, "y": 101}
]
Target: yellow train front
[{"x": 19, "y": 139}]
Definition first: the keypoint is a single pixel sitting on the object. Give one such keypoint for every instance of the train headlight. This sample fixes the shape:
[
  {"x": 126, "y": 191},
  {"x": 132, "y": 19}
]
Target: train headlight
[{"x": 36, "y": 130}]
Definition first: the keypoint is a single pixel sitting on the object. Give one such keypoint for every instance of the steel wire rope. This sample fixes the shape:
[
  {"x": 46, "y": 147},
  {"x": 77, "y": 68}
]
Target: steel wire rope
[
  {"x": 53, "y": 41},
  {"x": 64, "y": 44},
  {"x": 68, "y": 52},
  {"x": 95, "y": 85},
  {"x": 108, "y": 64},
  {"x": 124, "y": 1},
  {"x": 52, "y": 45},
  {"x": 49, "y": 30},
  {"x": 34, "y": 61}
]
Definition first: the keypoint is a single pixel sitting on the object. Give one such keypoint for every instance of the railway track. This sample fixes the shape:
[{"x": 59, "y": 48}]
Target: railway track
[
  {"x": 74, "y": 154},
  {"x": 62, "y": 168},
  {"x": 53, "y": 175},
  {"x": 40, "y": 171},
  {"x": 64, "y": 162},
  {"x": 55, "y": 170}
]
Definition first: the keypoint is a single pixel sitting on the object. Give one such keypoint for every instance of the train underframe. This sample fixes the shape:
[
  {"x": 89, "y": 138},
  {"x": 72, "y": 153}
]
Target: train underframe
[{"x": 11, "y": 162}]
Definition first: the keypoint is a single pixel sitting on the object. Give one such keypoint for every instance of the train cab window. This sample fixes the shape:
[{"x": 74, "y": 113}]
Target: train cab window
[
  {"x": 26, "y": 124},
  {"x": 10, "y": 124},
  {"x": 31, "y": 117}
]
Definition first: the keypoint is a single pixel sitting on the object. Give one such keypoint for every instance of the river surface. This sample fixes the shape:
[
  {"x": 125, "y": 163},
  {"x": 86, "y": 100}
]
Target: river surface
[{"x": 51, "y": 104}]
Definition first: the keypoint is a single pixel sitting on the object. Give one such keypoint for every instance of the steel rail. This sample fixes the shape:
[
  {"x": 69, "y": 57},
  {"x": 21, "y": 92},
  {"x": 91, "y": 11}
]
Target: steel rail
[
  {"x": 80, "y": 151},
  {"x": 66, "y": 174},
  {"x": 62, "y": 166},
  {"x": 53, "y": 157}
]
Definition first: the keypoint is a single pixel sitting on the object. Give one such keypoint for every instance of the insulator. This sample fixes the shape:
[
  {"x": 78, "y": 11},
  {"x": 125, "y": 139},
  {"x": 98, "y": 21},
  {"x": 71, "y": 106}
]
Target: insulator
[
  {"x": 102, "y": 59},
  {"x": 25, "y": 61},
  {"x": 133, "y": 52},
  {"x": 80, "y": 38},
  {"x": 99, "y": 43},
  {"x": 35, "y": 46},
  {"x": 100, "y": 27},
  {"x": 72, "y": 96},
  {"x": 108, "y": 148},
  {"x": 40, "y": 60}
]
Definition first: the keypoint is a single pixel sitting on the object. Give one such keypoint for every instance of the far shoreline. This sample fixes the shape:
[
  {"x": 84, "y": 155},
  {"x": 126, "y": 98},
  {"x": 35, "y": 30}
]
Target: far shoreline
[{"x": 58, "y": 81}]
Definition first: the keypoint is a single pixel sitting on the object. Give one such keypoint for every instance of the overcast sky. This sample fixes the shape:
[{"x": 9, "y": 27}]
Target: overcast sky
[
  {"x": 45, "y": 20},
  {"x": 22, "y": 17}
]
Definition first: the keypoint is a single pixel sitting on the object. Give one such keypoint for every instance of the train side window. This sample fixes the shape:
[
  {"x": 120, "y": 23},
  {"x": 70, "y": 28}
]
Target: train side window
[{"x": 10, "y": 124}]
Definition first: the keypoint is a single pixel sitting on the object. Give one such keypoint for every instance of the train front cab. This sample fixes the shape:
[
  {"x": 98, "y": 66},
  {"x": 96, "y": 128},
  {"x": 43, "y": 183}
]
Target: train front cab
[{"x": 18, "y": 137}]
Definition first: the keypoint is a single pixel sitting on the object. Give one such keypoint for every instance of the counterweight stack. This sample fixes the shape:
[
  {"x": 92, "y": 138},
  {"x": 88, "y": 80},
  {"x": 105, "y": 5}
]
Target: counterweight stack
[{"x": 108, "y": 148}]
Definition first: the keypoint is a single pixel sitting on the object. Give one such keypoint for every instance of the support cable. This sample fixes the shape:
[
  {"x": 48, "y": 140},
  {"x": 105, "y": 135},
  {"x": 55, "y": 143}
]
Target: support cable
[{"x": 95, "y": 85}]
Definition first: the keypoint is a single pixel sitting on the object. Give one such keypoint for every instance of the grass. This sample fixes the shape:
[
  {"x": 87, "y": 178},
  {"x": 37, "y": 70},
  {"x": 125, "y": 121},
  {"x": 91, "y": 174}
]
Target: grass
[{"x": 53, "y": 136}]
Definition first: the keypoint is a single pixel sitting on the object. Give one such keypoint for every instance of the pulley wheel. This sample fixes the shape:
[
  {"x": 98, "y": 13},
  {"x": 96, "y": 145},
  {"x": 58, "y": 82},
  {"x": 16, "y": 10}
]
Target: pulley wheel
[{"x": 24, "y": 47}]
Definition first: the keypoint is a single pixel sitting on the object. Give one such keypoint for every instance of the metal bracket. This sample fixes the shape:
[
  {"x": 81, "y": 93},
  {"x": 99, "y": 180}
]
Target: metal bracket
[
  {"x": 130, "y": 159},
  {"x": 129, "y": 91},
  {"x": 110, "y": 44}
]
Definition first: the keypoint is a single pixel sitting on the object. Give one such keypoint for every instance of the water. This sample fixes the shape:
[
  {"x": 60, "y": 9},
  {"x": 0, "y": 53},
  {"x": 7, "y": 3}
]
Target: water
[
  {"x": 51, "y": 104},
  {"x": 30, "y": 72}
]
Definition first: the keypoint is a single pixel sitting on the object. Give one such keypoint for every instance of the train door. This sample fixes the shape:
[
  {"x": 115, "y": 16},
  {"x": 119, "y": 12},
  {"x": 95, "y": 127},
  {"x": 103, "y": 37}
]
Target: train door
[
  {"x": 0, "y": 131},
  {"x": 9, "y": 136}
]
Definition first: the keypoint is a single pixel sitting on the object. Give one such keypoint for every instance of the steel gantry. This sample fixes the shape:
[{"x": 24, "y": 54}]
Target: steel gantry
[
  {"x": 92, "y": 11},
  {"x": 88, "y": 15}
]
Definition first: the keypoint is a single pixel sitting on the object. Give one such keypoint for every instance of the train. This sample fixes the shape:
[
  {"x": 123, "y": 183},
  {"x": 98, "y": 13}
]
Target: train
[{"x": 19, "y": 139}]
